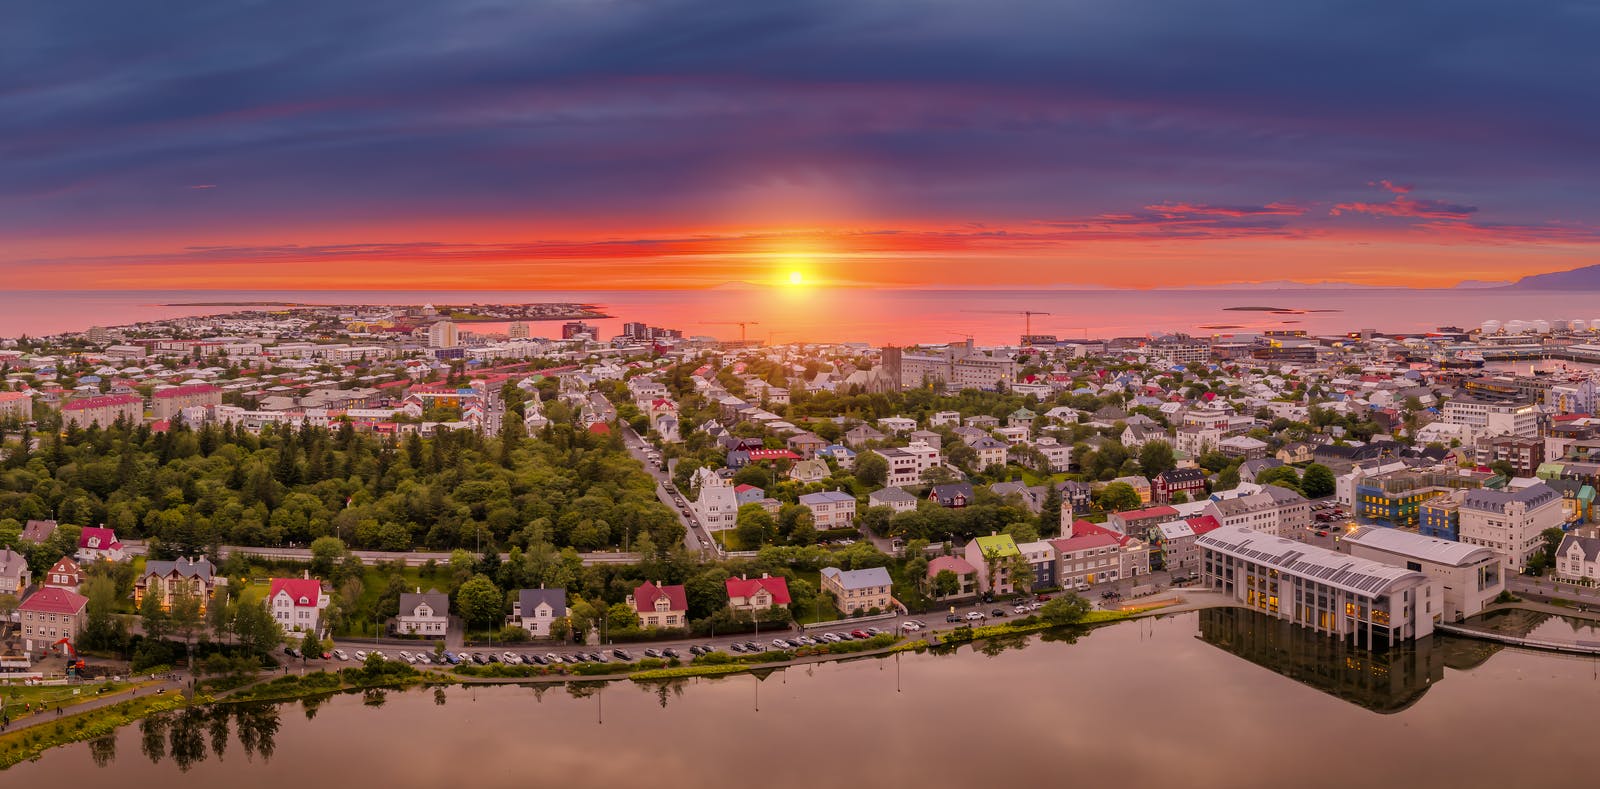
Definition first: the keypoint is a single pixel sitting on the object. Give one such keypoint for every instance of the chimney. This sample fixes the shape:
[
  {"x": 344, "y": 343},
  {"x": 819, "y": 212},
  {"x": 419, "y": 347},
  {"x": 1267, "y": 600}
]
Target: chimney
[
  {"x": 419, "y": 590},
  {"x": 305, "y": 574}
]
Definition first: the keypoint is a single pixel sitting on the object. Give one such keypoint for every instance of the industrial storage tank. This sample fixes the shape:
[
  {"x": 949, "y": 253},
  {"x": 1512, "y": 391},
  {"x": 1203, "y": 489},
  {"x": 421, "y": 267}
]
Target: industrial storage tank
[
  {"x": 1577, "y": 325},
  {"x": 1516, "y": 327},
  {"x": 1541, "y": 326},
  {"x": 1490, "y": 327}
]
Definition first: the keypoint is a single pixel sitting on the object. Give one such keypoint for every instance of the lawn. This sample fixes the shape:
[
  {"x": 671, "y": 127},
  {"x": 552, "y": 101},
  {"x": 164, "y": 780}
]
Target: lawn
[{"x": 52, "y": 696}]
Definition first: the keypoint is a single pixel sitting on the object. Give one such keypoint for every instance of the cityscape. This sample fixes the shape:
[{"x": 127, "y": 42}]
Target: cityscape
[{"x": 915, "y": 394}]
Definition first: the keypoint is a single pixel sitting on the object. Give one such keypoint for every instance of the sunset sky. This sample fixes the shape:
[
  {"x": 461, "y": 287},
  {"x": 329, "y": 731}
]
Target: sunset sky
[{"x": 606, "y": 144}]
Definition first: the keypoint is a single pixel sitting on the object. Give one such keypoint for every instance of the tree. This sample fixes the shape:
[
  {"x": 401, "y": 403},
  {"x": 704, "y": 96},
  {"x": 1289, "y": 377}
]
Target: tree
[
  {"x": 480, "y": 601},
  {"x": 254, "y": 628},
  {"x": 621, "y": 616},
  {"x": 1050, "y": 511},
  {"x": 1067, "y": 609},
  {"x": 1022, "y": 531},
  {"x": 325, "y": 553},
  {"x": 1156, "y": 457},
  {"x": 1119, "y": 496},
  {"x": 946, "y": 583},
  {"x": 1020, "y": 573},
  {"x": 311, "y": 645},
  {"x": 1504, "y": 468},
  {"x": 754, "y": 526},
  {"x": 1282, "y": 476},
  {"x": 185, "y": 617},
  {"x": 152, "y": 618},
  {"x": 871, "y": 469},
  {"x": 1317, "y": 481}
]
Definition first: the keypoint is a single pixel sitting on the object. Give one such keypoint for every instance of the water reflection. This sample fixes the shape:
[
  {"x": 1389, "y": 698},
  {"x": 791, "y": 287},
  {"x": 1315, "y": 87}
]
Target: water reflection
[
  {"x": 183, "y": 736},
  {"x": 1385, "y": 682}
]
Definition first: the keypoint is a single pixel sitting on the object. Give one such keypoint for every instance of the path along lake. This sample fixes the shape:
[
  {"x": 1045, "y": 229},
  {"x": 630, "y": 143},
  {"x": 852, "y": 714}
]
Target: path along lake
[{"x": 1217, "y": 698}]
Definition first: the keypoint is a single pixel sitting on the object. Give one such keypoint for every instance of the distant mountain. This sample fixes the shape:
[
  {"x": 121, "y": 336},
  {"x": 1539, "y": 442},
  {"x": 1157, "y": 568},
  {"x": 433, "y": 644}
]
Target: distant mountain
[
  {"x": 1482, "y": 284},
  {"x": 1586, "y": 278},
  {"x": 1285, "y": 284}
]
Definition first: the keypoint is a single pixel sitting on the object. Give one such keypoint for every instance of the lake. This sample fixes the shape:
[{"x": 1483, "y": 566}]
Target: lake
[
  {"x": 808, "y": 314},
  {"x": 1221, "y": 698}
]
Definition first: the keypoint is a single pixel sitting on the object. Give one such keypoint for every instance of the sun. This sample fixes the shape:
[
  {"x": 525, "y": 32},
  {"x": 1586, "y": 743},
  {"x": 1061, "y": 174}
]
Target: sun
[{"x": 796, "y": 278}]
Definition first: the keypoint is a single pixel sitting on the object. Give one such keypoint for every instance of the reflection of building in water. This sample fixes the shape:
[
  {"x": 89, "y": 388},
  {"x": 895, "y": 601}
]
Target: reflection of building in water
[{"x": 1385, "y": 682}]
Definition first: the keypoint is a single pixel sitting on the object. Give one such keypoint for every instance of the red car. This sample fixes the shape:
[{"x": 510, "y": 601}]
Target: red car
[
  {"x": 1043, "y": 597},
  {"x": 860, "y": 634}
]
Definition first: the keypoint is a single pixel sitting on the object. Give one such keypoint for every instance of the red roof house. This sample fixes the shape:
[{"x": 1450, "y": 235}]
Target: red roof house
[
  {"x": 747, "y": 593},
  {"x": 660, "y": 606}
]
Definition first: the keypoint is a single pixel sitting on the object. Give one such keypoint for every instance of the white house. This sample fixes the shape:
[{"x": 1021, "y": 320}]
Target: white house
[
  {"x": 534, "y": 609},
  {"x": 296, "y": 603},
  {"x": 423, "y": 613}
]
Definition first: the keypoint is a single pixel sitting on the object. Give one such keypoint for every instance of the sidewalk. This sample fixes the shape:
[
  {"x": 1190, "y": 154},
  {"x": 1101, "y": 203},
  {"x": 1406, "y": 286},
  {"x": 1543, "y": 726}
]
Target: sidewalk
[{"x": 106, "y": 700}]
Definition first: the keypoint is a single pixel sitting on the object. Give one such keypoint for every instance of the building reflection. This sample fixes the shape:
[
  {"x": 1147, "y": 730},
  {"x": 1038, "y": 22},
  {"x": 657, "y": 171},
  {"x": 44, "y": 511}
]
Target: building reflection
[{"x": 1385, "y": 682}]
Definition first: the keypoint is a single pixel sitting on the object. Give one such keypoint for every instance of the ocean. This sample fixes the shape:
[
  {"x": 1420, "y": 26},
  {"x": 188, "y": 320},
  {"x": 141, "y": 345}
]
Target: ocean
[{"x": 781, "y": 315}]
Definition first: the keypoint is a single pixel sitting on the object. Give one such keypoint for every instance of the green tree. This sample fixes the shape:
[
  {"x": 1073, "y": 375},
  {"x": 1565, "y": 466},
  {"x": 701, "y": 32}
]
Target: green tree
[
  {"x": 480, "y": 601},
  {"x": 185, "y": 618},
  {"x": 1050, "y": 511},
  {"x": 325, "y": 553},
  {"x": 1317, "y": 481},
  {"x": 754, "y": 526},
  {"x": 1022, "y": 531},
  {"x": 152, "y": 618},
  {"x": 1156, "y": 457},
  {"x": 621, "y": 616},
  {"x": 1068, "y": 609},
  {"x": 311, "y": 645},
  {"x": 871, "y": 469},
  {"x": 1119, "y": 496},
  {"x": 254, "y": 628},
  {"x": 946, "y": 583},
  {"x": 1020, "y": 573}
]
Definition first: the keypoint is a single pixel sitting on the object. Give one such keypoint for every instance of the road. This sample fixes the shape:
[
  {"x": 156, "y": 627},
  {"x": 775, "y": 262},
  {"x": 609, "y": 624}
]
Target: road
[
  {"x": 410, "y": 558},
  {"x": 695, "y": 537}
]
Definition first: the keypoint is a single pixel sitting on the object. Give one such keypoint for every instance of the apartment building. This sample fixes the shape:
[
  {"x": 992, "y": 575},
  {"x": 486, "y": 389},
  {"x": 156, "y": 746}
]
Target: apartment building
[
  {"x": 1329, "y": 592},
  {"x": 1485, "y": 417},
  {"x": 103, "y": 410},
  {"x": 859, "y": 590},
  {"x": 168, "y": 403},
  {"x": 1272, "y": 510},
  {"x": 717, "y": 506},
  {"x": 907, "y": 463},
  {"x": 17, "y": 405}
]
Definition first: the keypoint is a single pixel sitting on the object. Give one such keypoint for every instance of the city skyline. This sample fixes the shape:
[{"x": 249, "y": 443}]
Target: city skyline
[{"x": 688, "y": 145}]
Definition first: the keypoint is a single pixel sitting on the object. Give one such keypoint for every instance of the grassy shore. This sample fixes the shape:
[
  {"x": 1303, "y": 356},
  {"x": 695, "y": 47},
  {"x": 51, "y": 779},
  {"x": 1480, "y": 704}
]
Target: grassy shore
[{"x": 24, "y": 744}]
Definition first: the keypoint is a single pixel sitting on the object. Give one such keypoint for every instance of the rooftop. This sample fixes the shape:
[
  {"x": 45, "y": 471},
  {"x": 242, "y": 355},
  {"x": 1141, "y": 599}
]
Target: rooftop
[
  {"x": 1416, "y": 546},
  {"x": 1363, "y": 577}
]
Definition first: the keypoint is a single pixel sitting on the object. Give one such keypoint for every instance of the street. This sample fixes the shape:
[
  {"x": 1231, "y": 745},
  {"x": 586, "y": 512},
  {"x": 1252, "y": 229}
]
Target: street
[{"x": 695, "y": 538}]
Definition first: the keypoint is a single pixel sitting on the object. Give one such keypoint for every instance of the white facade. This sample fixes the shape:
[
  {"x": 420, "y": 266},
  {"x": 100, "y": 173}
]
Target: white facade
[
  {"x": 1510, "y": 522},
  {"x": 717, "y": 507}
]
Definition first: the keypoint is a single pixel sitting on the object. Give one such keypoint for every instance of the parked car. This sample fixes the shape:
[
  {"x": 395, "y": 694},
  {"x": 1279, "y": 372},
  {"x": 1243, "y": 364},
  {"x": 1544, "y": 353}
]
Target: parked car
[
  {"x": 860, "y": 634},
  {"x": 534, "y": 659},
  {"x": 751, "y": 646},
  {"x": 361, "y": 655},
  {"x": 477, "y": 657},
  {"x": 622, "y": 654},
  {"x": 407, "y": 657},
  {"x": 1021, "y": 609},
  {"x": 380, "y": 654},
  {"x": 652, "y": 652},
  {"x": 552, "y": 657},
  {"x": 1042, "y": 597},
  {"x": 291, "y": 652},
  {"x": 736, "y": 647},
  {"x": 423, "y": 659},
  {"x": 511, "y": 658},
  {"x": 909, "y": 627},
  {"x": 696, "y": 650},
  {"x": 808, "y": 641},
  {"x": 952, "y": 618},
  {"x": 998, "y": 612},
  {"x": 599, "y": 657},
  {"x": 452, "y": 658},
  {"x": 340, "y": 654},
  {"x": 831, "y": 638},
  {"x": 670, "y": 652},
  {"x": 780, "y": 643},
  {"x": 974, "y": 615},
  {"x": 873, "y": 631}
]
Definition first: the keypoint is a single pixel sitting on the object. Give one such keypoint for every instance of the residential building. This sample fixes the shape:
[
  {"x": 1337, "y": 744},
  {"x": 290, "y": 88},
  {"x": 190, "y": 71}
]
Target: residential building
[
  {"x": 859, "y": 591},
  {"x": 717, "y": 506},
  {"x": 1056, "y": 454},
  {"x": 806, "y": 444},
  {"x": 1242, "y": 447},
  {"x": 906, "y": 464},
  {"x": 65, "y": 573},
  {"x": 168, "y": 403},
  {"x": 830, "y": 509},
  {"x": 17, "y": 405},
  {"x": 1271, "y": 510},
  {"x": 296, "y": 603},
  {"x": 966, "y": 576},
  {"x": 423, "y": 614},
  {"x": 49, "y": 615},
  {"x": 1467, "y": 577},
  {"x": 103, "y": 410},
  {"x": 1509, "y": 522},
  {"x": 813, "y": 470},
  {"x": 1140, "y": 486},
  {"x": 1525, "y": 454},
  {"x": 14, "y": 574},
  {"x": 991, "y": 451},
  {"x": 534, "y": 610},
  {"x": 1191, "y": 482},
  {"x": 442, "y": 334},
  {"x": 757, "y": 594},
  {"x": 660, "y": 606},
  {"x": 1173, "y": 546},
  {"x": 36, "y": 532},
  {"x": 1578, "y": 559},
  {"x": 1041, "y": 556},
  {"x": 893, "y": 498},
  {"x": 952, "y": 495},
  {"x": 990, "y": 555},
  {"x": 166, "y": 579},
  {"x": 1249, "y": 469},
  {"x": 1330, "y": 592},
  {"x": 1138, "y": 521},
  {"x": 97, "y": 543}
]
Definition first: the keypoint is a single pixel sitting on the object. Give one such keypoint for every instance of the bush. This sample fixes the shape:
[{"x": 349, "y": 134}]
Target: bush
[
  {"x": 713, "y": 659},
  {"x": 513, "y": 635}
]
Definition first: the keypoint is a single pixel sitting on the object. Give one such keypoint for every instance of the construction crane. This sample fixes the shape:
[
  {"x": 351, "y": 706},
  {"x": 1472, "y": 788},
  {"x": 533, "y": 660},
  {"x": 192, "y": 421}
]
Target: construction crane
[
  {"x": 1027, "y": 319},
  {"x": 740, "y": 324}
]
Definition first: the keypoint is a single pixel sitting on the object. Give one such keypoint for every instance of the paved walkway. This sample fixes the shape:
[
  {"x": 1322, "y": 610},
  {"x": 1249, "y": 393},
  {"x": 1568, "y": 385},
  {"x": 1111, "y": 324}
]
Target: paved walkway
[{"x": 105, "y": 700}]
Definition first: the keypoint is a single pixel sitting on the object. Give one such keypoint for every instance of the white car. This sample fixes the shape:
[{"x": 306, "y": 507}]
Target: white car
[
  {"x": 408, "y": 657},
  {"x": 974, "y": 615},
  {"x": 361, "y": 656},
  {"x": 832, "y": 638},
  {"x": 1021, "y": 609},
  {"x": 909, "y": 627},
  {"x": 511, "y": 658},
  {"x": 340, "y": 654}
]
